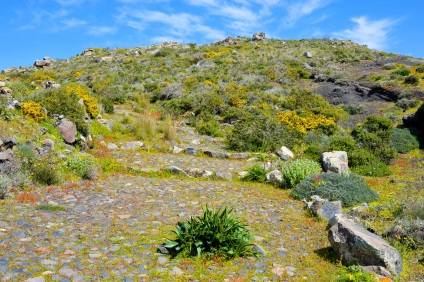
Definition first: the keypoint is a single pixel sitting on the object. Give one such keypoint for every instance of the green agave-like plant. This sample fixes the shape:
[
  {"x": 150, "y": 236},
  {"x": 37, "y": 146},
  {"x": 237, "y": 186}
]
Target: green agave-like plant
[{"x": 215, "y": 233}]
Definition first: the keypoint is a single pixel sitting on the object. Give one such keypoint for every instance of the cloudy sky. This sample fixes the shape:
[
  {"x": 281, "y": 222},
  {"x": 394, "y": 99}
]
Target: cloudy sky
[{"x": 32, "y": 29}]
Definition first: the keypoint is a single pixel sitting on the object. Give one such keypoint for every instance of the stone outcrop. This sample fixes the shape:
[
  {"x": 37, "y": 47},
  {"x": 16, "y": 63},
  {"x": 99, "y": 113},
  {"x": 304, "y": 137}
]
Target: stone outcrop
[
  {"x": 335, "y": 162},
  {"x": 258, "y": 36},
  {"x": 356, "y": 245}
]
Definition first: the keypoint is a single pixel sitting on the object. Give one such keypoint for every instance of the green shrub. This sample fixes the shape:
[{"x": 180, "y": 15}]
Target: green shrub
[
  {"x": 5, "y": 185},
  {"x": 62, "y": 102},
  {"x": 108, "y": 106},
  {"x": 420, "y": 69},
  {"x": 259, "y": 134},
  {"x": 45, "y": 173},
  {"x": 168, "y": 128},
  {"x": 341, "y": 143},
  {"x": 214, "y": 233},
  {"x": 297, "y": 170},
  {"x": 375, "y": 135},
  {"x": 406, "y": 103},
  {"x": 412, "y": 79},
  {"x": 353, "y": 109},
  {"x": 26, "y": 154},
  {"x": 360, "y": 157},
  {"x": 402, "y": 72},
  {"x": 5, "y": 113},
  {"x": 404, "y": 141},
  {"x": 210, "y": 128},
  {"x": 83, "y": 165},
  {"x": 255, "y": 173},
  {"x": 350, "y": 189}
]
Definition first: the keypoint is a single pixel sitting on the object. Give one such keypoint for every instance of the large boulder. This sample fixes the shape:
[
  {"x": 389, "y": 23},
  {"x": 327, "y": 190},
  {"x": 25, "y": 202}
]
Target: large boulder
[
  {"x": 356, "y": 245},
  {"x": 335, "y": 161},
  {"x": 42, "y": 63},
  {"x": 68, "y": 130}
]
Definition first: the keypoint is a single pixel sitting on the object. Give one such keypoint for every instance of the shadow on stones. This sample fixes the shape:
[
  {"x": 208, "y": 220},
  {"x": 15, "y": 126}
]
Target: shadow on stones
[{"x": 328, "y": 254}]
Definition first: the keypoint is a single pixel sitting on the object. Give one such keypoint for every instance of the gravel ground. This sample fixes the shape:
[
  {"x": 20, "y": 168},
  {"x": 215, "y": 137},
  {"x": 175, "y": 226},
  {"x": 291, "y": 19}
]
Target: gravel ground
[{"x": 110, "y": 231}]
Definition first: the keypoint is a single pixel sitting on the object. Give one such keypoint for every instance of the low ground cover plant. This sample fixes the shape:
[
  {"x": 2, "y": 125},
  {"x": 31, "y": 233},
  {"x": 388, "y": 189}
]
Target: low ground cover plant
[
  {"x": 216, "y": 232},
  {"x": 350, "y": 188}
]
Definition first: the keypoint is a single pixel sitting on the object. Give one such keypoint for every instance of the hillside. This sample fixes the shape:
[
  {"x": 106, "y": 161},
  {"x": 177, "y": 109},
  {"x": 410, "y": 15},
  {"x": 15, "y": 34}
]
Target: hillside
[{"x": 103, "y": 153}]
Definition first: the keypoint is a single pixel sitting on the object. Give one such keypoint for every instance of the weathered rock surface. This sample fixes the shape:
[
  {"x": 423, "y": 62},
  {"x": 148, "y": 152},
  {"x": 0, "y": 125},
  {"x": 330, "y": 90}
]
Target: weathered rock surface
[
  {"x": 284, "y": 153},
  {"x": 68, "y": 130},
  {"x": 335, "y": 162},
  {"x": 324, "y": 208},
  {"x": 132, "y": 145},
  {"x": 274, "y": 176},
  {"x": 308, "y": 54},
  {"x": 354, "y": 244}
]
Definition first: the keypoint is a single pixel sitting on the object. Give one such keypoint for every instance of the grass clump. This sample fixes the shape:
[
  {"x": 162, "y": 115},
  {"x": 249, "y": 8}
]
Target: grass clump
[
  {"x": 350, "y": 189},
  {"x": 215, "y": 233},
  {"x": 297, "y": 170},
  {"x": 51, "y": 208},
  {"x": 355, "y": 273},
  {"x": 255, "y": 174}
]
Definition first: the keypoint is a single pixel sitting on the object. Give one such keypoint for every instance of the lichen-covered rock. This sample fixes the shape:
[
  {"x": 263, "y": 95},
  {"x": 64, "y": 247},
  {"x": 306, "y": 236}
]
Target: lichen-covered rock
[{"x": 335, "y": 162}]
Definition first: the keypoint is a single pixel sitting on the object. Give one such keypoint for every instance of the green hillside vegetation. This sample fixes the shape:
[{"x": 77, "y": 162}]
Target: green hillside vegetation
[{"x": 253, "y": 96}]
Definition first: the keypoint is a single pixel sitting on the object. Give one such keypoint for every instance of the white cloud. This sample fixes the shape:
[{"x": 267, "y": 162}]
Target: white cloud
[
  {"x": 372, "y": 33},
  {"x": 301, "y": 9},
  {"x": 101, "y": 30},
  {"x": 71, "y": 23},
  {"x": 178, "y": 26}
]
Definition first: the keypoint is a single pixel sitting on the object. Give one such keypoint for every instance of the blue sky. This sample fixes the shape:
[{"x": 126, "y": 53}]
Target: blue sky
[{"x": 32, "y": 29}]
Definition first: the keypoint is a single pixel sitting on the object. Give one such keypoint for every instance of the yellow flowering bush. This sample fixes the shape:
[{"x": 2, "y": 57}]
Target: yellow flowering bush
[
  {"x": 237, "y": 94},
  {"x": 42, "y": 75},
  {"x": 211, "y": 55},
  {"x": 304, "y": 124},
  {"x": 33, "y": 110},
  {"x": 83, "y": 93}
]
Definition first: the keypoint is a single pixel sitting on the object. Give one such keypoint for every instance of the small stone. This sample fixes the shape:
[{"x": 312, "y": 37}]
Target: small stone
[
  {"x": 176, "y": 271},
  {"x": 68, "y": 272},
  {"x": 94, "y": 256},
  {"x": 162, "y": 260},
  {"x": 48, "y": 262},
  {"x": 258, "y": 249},
  {"x": 35, "y": 279},
  {"x": 124, "y": 216},
  {"x": 279, "y": 271}
]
